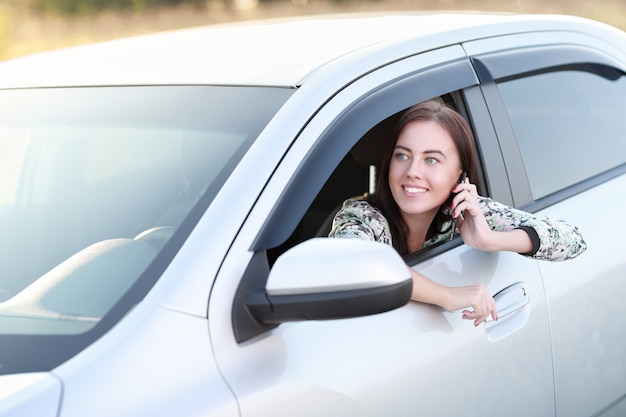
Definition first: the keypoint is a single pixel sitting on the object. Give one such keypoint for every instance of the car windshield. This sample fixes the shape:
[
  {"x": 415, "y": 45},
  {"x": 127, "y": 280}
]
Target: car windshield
[{"x": 95, "y": 182}]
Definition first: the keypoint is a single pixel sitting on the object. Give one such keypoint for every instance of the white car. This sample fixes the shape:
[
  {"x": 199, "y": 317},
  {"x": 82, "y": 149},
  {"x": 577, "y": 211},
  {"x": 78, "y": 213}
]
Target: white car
[{"x": 164, "y": 202}]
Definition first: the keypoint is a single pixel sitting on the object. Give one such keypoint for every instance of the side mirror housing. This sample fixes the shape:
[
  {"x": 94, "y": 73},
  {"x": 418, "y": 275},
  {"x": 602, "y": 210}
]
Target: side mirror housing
[{"x": 324, "y": 279}]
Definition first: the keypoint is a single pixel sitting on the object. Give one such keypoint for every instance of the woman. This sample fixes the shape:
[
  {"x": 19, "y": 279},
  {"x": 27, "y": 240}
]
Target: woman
[{"x": 422, "y": 192}]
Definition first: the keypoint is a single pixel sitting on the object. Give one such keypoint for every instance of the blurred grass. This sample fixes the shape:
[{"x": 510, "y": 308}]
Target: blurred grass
[{"x": 23, "y": 31}]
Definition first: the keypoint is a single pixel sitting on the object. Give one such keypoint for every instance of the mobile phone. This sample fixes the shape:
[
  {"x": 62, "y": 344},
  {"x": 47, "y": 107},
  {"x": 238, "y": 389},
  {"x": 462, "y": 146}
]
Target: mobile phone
[{"x": 454, "y": 221}]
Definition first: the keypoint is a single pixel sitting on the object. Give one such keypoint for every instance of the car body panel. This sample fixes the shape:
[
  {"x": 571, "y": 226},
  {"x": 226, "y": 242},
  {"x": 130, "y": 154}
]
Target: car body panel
[
  {"x": 327, "y": 43},
  {"x": 30, "y": 394},
  {"x": 167, "y": 364}
]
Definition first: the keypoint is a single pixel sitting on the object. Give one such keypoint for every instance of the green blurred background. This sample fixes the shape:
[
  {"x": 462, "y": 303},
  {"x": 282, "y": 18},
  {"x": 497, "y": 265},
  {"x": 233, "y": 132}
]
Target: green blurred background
[{"x": 30, "y": 26}]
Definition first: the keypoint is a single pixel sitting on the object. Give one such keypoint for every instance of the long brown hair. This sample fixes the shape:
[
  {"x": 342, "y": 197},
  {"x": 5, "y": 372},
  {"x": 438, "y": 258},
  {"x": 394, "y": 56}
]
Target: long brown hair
[{"x": 458, "y": 128}]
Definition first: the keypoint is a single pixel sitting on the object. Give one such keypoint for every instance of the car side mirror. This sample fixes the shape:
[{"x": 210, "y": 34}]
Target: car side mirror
[{"x": 323, "y": 279}]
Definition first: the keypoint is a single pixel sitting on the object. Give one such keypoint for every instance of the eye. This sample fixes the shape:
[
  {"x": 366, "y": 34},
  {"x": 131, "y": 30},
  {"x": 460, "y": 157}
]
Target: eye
[
  {"x": 401, "y": 156},
  {"x": 431, "y": 160}
]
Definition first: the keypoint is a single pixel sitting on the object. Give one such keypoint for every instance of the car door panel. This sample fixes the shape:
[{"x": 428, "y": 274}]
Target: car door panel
[
  {"x": 586, "y": 312},
  {"x": 514, "y": 352},
  {"x": 417, "y": 360}
]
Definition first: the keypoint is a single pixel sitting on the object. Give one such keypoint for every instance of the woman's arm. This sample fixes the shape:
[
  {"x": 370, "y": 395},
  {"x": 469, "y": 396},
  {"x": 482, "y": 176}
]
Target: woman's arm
[
  {"x": 482, "y": 237},
  {"x": 359, "y": 220},
  {"x": 473, "y": 296},
  {"x": 491, "y": 226}
]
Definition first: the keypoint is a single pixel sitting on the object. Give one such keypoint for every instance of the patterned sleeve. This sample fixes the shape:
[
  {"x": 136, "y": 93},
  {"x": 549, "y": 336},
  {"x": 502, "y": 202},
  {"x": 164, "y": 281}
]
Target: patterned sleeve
[
  {"x": 554, "y": 240},
  {"x": 360, "y": 220}
]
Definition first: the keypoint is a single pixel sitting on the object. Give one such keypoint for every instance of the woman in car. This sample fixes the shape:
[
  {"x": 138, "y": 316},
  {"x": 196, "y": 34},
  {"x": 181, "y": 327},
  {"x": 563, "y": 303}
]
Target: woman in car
[{"x": 425, "y": 194}]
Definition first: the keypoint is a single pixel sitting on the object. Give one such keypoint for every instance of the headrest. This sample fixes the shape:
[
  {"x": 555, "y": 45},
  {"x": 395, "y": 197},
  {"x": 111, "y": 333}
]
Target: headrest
[{"x": 370, "y": 149}]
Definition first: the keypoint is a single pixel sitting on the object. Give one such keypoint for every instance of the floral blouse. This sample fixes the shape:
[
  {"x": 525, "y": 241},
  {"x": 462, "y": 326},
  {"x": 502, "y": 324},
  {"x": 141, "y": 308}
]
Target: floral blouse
[{"x": 553, "y": 240}]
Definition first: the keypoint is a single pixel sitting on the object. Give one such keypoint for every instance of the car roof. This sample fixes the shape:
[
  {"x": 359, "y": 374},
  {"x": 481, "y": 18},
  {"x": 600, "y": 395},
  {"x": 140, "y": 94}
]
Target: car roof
[{"x": 282, "y": 52}]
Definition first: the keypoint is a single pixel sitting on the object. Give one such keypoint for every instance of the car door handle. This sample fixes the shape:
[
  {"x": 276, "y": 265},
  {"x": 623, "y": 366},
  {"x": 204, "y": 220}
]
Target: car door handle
[{"x": 511, "y": 299}]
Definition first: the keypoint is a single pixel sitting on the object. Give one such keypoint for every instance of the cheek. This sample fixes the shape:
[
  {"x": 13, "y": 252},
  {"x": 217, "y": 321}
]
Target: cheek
[
  {"x": 448, "y": 184},
  {"x": 395, "y": 172},
  {"x": 441, "y": 183}
]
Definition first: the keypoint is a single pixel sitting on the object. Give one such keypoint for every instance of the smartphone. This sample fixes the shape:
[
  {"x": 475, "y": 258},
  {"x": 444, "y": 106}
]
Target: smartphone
[{"x": 454, "y": 227}]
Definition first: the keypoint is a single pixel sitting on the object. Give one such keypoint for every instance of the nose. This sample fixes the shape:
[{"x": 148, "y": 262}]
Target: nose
[{"x": 414, "y": 170}]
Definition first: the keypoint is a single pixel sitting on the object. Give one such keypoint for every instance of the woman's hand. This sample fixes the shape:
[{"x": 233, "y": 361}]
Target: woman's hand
[
  {"x": 474, "y": 229},
  {"x": 478, "y": 299},
  {"x": 470, "y": 219}
]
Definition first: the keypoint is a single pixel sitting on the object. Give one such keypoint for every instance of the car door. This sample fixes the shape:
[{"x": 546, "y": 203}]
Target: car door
[
  {"x": 413, "y": 360},
  {"x": 563, "y": 122}
]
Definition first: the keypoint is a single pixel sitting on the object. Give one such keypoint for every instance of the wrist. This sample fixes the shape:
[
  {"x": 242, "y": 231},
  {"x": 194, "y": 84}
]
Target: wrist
[
  {"x": 534, "y": 239},
  {"x": 431, "y": 292}
]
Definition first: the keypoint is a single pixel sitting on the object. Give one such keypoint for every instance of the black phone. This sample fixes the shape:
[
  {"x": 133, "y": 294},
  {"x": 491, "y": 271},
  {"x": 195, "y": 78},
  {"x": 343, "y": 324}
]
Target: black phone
[
  {"x": 463, "y": 177},
  {"x": 454, "y": 227}
]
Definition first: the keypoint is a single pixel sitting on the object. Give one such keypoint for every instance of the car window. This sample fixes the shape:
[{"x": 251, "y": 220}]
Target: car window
[
  {"x": 96, "y": 180},
  {"x": 380, "y": 95},
  {"x": 356, "y": 175},
  {"x": 573, "y": 114}
]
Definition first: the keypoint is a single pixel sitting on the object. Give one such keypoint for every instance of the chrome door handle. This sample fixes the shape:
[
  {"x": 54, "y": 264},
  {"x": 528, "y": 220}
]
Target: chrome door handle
[{"x": 511, "y": 299}]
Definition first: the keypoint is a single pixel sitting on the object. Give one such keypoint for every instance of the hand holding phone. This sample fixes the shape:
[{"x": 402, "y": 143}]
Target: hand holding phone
[{"x": 454, "y": 220}]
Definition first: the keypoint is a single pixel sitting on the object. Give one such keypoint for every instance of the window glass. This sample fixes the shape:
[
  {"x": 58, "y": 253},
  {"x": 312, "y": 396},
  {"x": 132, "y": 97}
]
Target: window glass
[
  {"x": 569, "y": 126},
  {"x": 11, "y": 160},
  {"x": 94, "y": 181}
]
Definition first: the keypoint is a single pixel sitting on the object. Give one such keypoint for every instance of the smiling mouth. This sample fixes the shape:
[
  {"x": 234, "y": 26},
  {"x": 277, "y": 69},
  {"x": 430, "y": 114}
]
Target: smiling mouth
[{"x": 413, "y": 190}]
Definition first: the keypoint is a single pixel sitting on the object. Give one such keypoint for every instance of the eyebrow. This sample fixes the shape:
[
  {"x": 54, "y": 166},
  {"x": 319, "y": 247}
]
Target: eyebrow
[{"x": 426, "y": 152}]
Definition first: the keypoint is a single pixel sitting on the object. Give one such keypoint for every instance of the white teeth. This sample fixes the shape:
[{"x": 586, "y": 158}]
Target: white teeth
[{"x": 414, "y": 190}]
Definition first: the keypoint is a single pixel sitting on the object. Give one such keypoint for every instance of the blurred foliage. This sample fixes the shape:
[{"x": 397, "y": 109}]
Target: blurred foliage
[
  {"x": 81, "y": 7},
  {"x": 32, "y": 26},
  {"x": 5, "y": 27}
]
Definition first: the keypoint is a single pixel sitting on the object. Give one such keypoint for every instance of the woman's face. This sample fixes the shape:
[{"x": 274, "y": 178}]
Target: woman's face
[{"x": 425, "y": 166}]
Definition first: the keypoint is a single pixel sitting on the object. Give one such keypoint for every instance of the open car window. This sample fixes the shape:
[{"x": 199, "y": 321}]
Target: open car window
[{"x": 355, "y": 177}]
